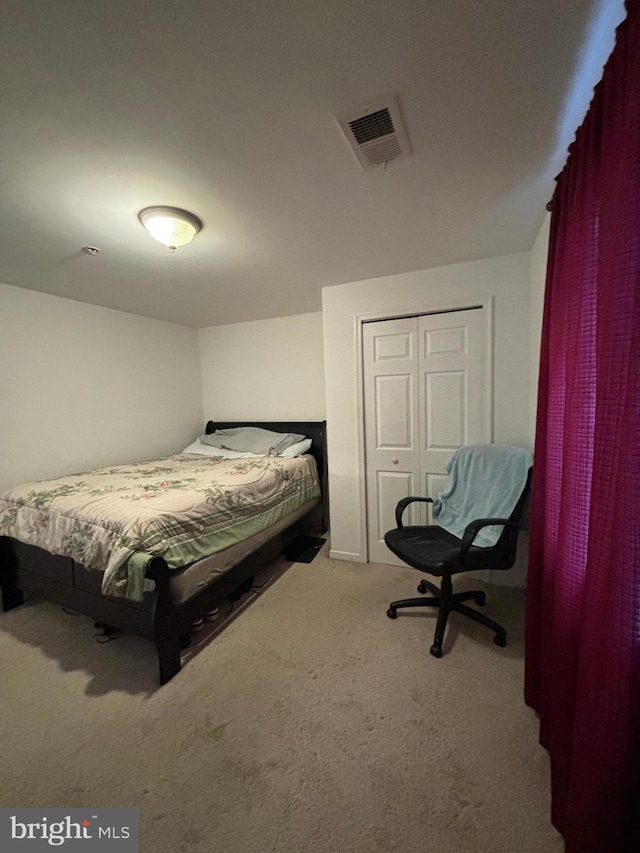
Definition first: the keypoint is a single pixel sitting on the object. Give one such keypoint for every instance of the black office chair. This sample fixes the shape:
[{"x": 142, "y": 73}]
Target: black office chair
[{"x": 436, "y": 551}]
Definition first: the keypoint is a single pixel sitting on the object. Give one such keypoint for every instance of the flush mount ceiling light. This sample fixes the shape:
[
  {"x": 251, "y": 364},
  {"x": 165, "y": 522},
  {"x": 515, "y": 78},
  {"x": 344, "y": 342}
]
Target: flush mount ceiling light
[{"x": 170, "y": 226}]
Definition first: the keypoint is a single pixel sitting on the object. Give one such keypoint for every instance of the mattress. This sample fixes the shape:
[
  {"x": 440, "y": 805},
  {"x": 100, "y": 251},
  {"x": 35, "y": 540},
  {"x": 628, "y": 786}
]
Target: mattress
[
  {"x": 187, "y": 581},
  {"x": 183, "y": 508}
]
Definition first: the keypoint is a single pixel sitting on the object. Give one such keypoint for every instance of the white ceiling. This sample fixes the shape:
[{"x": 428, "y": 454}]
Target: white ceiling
[{"x": 227, "y": 108}]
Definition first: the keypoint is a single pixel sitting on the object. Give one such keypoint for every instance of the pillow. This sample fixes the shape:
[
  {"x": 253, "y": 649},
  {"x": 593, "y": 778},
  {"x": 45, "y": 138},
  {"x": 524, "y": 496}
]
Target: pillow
[
  {"x": 205, "y": 450},
  {"x": 252, "y": 439},
  {"x": 202, "y": 448},
  {"x": 296, "y": 449}
]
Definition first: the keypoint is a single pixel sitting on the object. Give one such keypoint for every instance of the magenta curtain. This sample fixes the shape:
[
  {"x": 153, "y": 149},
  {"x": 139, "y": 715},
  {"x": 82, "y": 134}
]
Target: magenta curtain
[{"x": 583, "y": 599}]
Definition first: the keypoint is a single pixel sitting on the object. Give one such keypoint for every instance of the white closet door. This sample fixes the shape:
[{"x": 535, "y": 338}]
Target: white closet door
[
  {"x": 453, "y": 392},
  {"x": 425, "y": 393},
  {"x": 392, "y": 440}
]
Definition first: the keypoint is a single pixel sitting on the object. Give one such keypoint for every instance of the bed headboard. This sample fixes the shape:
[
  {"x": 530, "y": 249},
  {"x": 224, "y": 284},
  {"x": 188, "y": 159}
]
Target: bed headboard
[{"x": 315, "y": 430}]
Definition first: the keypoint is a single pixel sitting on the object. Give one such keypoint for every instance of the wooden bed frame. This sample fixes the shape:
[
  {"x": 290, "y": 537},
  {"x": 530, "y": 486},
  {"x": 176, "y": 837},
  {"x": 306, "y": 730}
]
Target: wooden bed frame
[{"x": 158, "y": 618}]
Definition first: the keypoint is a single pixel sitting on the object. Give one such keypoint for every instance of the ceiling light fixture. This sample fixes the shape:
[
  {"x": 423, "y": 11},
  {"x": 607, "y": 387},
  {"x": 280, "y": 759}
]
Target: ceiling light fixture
[{"x": 170, "y": 226}]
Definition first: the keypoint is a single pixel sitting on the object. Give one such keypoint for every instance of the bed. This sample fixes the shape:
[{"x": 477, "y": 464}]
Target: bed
[{"x": 157, "y": 585}]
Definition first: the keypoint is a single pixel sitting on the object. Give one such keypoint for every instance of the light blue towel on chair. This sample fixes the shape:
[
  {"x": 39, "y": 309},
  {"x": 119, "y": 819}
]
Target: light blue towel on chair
[{"x": 485, "y": 481}]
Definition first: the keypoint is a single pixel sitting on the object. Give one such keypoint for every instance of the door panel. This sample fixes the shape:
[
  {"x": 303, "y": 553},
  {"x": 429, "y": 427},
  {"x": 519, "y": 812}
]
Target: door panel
[
  {"x": 451, "y": 365},
  {"x": 446, "y": 341},
  {"x": 393, "y": 346},
  {"x": 392, "y": 486},
  {"x": 394, "y": 396},
  {"x": 392, "y": 438},
  {"x": 445, "y": 410}
]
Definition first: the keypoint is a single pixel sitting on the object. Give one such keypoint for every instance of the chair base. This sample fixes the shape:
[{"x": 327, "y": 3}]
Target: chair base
[{"x": 446, "y": 600}]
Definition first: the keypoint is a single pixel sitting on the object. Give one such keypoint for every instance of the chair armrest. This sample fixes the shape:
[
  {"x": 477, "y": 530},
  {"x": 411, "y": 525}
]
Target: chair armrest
[
  {"x": 404, "y": 503},
  {"x": 472, "y": 530}
]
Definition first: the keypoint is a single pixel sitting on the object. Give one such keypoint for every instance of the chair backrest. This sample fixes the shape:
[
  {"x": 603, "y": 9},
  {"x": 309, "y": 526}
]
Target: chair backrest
[
  {"x": 485, "y": 481},
  {"x": 502, "y": 555}
]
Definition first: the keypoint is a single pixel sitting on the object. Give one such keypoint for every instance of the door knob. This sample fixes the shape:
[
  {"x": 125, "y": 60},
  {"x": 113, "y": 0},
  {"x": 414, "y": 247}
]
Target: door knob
[{"x": 395, "y": 461}]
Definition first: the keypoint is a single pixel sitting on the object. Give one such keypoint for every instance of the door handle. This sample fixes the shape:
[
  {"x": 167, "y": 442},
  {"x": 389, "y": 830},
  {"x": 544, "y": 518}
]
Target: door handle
[{"x": 395, "y": 461}]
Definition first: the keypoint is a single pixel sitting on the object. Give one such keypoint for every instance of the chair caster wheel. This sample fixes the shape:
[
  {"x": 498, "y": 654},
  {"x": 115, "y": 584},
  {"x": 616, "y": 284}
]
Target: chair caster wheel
[
  {"x": 500, "y": 640},
  {"x": 392, "y": 613},
  {"x": 436, "y": 651},
  {"x": 481, "y": 599},
  {"x": 422, "y": 587}
]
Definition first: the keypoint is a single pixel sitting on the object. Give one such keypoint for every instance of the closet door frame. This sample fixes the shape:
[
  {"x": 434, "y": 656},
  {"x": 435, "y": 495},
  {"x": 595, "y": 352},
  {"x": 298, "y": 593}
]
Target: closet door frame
[{"x": 487, "y": 305}]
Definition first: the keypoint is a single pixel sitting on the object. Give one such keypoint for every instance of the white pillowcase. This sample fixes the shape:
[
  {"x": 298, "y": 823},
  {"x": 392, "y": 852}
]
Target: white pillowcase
[
  {"x": 296, "y": 449},
  {"x": 199, "y": 449}
]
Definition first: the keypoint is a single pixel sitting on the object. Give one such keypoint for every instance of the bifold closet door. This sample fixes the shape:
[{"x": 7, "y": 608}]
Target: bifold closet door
[
  {"x": 392, "y": 441},
  {"x": 425, "y": 393}
]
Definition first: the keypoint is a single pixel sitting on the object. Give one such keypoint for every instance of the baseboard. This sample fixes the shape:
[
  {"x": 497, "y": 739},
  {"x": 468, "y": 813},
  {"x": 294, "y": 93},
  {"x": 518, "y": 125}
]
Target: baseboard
[{"x": 346, "y": 555}]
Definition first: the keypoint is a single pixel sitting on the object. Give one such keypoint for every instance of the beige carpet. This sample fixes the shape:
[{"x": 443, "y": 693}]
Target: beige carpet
[{"x": 310, "y": 723}]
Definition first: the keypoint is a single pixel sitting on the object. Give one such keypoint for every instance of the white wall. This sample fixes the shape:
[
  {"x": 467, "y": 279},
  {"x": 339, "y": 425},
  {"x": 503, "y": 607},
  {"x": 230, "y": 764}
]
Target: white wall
[
  {"x": 83, "y": 386},
  {"x": 267, "y": 370},
  {"x": 538, "y": 259},
  {"x": 507, "y": 280}
]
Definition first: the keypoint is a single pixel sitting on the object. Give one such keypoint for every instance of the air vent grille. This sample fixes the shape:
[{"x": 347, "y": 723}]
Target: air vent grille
[
  {"x": 376, "y": 133},
  {"x": 381, "y": 151},
  {"x": 372, "y": 126}
]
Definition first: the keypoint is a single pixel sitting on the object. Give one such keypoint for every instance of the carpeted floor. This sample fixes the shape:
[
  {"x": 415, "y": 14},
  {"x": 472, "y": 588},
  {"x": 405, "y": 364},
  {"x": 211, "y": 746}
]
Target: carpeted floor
[{"x": 312, "y": 722}]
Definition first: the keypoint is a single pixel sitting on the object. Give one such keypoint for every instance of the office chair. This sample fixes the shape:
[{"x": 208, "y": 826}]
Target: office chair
[{"x": 481, "y": 506}]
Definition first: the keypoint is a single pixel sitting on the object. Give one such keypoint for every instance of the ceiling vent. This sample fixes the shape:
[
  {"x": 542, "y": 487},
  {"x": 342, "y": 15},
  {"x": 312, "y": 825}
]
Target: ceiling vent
[{"x": 376, "y": 133}]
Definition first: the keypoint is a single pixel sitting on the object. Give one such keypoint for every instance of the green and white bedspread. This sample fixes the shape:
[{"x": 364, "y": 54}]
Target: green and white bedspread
[{"x": 181, "y": 508}]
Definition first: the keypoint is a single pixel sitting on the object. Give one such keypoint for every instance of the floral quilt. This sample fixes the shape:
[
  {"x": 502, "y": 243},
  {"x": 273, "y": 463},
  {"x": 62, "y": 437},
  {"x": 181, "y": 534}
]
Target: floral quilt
[{"x": 181, "y": 508}]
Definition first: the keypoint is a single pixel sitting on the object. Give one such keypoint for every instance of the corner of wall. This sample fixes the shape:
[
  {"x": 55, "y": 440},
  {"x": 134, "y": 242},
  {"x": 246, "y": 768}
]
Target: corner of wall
[{"x": 537, "y": 278}]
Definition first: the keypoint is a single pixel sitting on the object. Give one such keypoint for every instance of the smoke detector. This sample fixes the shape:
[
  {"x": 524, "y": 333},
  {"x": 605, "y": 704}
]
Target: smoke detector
[{"x": 375, "y": 133}]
